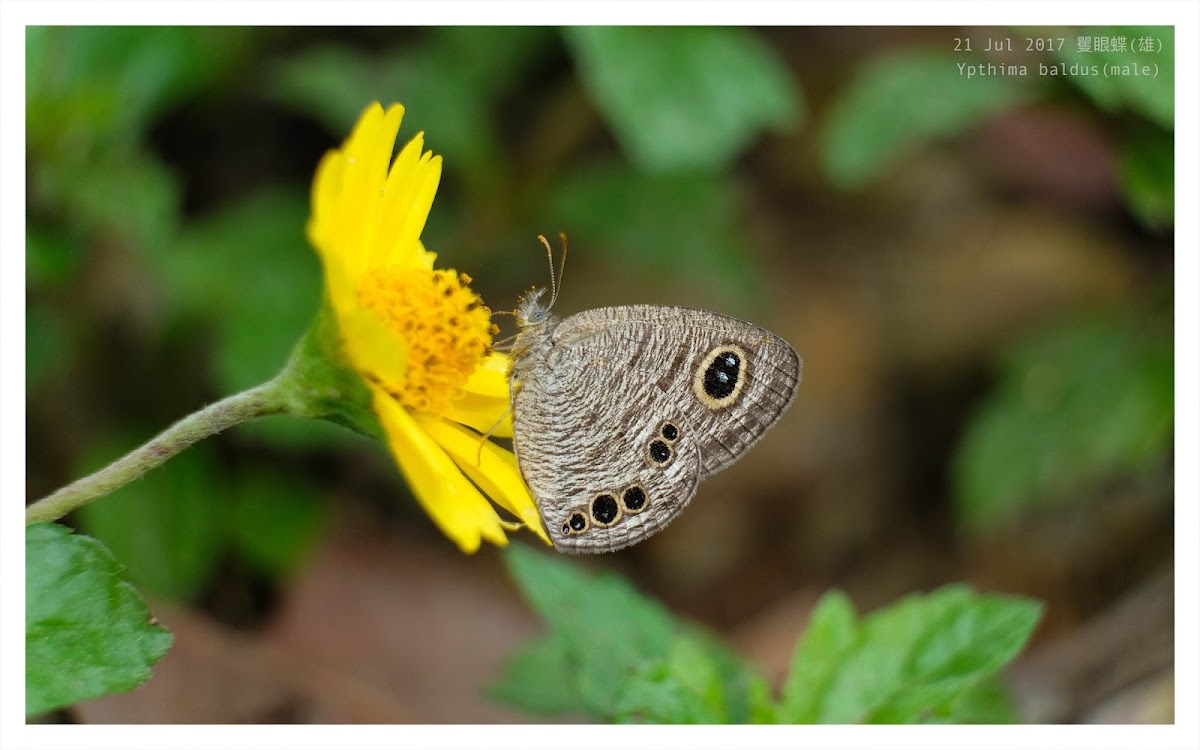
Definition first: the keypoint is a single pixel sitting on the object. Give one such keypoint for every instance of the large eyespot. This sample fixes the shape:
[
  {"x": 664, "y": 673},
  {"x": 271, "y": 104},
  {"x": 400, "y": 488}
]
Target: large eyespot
[
  {"x": 577, "y": 523},
  {"x": 720, "y": 376},
  {"x": 659, "y": 453},
  {"x": 669, "y": 431},
  {"x": 633, "y": 499},
  {"x": 605, "y": 510}
]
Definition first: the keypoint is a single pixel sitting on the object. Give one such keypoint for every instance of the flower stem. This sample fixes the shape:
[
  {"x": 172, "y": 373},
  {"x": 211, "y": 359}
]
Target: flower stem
[{"x": 266, "y": 399}]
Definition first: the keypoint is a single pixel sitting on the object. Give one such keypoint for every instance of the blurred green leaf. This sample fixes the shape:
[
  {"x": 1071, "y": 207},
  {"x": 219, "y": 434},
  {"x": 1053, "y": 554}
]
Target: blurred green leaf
[
  {"x": 87, "y": 631},
  {"x": 275, "y": 519},
  {"x": 250, "y": 269},
  {"x": 831, "y": 635},
  {"x": 676, "y": 223},
  {"x": 915, "y": 661},
  {"x": 989, "y": 702},
  {"x": 617, "y": 655},
  {"x": 51, "y": 258},
  {"x": 684, "y": 688},
  {"x": 898, "y": 102},
  {"x": 166, "y": 527},
  {"x": 1080, "y": 403},
  {"x": 1147, "y": 173},
  {"x": 538, "y": 678},
  {"x": 606, "y": 628},
  {"x": 95, "y": 87},
  {"x": 122, "y": 196},
  {"x": 1108, "y": 77},
  {"x": 332, "y": 83},
  {"x": 448, "y": 82},
  {"x": 684, "y": 97},
  {"x": 47, "y": 343}
]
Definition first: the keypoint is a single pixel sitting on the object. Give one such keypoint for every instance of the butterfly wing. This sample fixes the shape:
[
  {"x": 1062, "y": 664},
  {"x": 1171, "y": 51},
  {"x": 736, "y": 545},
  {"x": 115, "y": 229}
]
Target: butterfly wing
[{"x": 632, "y": 406}]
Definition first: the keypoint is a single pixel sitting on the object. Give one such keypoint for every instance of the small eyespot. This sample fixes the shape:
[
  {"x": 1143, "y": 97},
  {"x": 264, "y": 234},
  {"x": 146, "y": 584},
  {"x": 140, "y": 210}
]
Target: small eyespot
[
  {"x": 669, "y": 431},
  {"x": 659, "y": 452},
  {"x": 633, "y": 499},
  {"x": 577, "y": 523},
  {"x": 605, "y": 510}
]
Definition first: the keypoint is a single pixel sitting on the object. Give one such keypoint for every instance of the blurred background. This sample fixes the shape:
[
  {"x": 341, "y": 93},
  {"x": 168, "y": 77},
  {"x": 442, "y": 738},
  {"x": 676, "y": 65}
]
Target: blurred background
[{"x": 977, "y": 270}]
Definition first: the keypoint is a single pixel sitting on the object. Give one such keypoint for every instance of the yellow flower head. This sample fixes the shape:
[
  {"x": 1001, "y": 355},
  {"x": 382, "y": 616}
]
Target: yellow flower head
[{"x": 418, "y": 335}]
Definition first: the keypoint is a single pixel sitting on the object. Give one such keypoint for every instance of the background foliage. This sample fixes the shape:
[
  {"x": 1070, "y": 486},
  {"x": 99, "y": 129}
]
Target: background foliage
[{"x": 978, "y": 272}]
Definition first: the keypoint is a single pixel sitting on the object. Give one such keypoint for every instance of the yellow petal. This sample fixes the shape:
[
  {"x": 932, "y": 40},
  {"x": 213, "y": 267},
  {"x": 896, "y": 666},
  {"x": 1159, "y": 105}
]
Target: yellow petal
[
  {"x": 489, "y": 466},
  {"x": 490, "y": 378},
  {"x": 453, "y": 503},
  {"x": 372, "y": 345},
  {"x": 486, "y": 415},
  {"x": 407, "y": 198},
  {"x": 425, "y": 258},
  {"x": 367, "y": 152},
  {"x": 327, "y": 184},
  {"x": 485, "y": 406}
]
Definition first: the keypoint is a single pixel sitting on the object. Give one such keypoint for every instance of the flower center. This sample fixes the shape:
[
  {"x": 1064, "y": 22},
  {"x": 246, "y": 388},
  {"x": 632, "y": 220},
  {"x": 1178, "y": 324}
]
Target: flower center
[{"x": 444, "y": 325}]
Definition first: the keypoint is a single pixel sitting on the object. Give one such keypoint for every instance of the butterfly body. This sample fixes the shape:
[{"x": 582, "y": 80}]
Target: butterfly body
[{"x": 620, "y": 412}]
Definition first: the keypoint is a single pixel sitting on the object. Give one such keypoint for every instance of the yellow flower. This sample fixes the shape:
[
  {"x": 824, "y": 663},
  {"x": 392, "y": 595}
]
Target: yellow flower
[{"x": 417, "y": 335}]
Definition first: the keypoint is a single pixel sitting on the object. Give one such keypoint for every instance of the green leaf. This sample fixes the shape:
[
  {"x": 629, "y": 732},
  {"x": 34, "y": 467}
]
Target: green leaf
[
  {"x": 989, "y": 702},
  {"x": 274, "y": 520},
  {"x": 1078, "y": 404},
  {"x": 538, "y": 678},
  {"x": 1147, "y": 174},
  {"x": 87, "y": 631},
  {"x": 677, "y": 223},
  {"x": 449, "y": 83},
  {"x": 121, "y": 194},
  {"x": 963, "y": 638},
  {"x": 93, "y": 87},
  {"x": 331, "y": 83},
  {"x": 47, "y": 343},
  {"x": 51, "y": 258},
  {"x": 249, "y": 269},
  {"x": 608, "y": 630},
  {"x": 1118, "y": 79},
  {"x": 167, "y": 526},
  {"x": 617, "y": 655},
  {"x": 917, "y": 660},
  {"x": 898, "y": 102},
  {"x": 684, "y": 688},
  {"x": 684, "y": 97},
  {"x": 832, "y": 632}
]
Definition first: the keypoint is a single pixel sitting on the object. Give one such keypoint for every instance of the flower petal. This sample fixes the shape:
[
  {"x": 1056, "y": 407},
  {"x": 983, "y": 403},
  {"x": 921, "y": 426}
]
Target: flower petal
[
  {"x": 360, "y": 207},
  {"x": 490, "y": 378},
  {"x": 322, "y": 229},
  {"x": 489, "y": 416},
  {"x": 372, "y": 346},
  {"x": 425, "y": 258},
  {"x": 407, "y": 198},
  {"x": 489, "y": 466},
  {"x": 453, "y": 503},
  {"x": 485, "y": 405}
]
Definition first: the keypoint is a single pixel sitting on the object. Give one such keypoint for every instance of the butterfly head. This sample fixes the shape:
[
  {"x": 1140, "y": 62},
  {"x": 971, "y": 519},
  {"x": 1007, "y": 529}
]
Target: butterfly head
[{"x": 530, "y": 310}]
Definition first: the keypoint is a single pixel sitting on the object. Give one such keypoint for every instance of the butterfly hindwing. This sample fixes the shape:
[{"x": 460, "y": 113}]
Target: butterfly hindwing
[{"x": 632, "y": 406}]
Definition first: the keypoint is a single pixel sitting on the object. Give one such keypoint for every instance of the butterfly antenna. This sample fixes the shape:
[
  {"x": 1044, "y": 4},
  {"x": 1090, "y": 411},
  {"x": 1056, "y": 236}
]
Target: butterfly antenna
[
  {"x": 550, "y": 260},
  {"x": 562, "y": 265}
]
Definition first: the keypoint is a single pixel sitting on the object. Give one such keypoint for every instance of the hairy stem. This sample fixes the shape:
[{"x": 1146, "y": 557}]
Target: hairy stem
[{"x": 260, "y": 401}]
